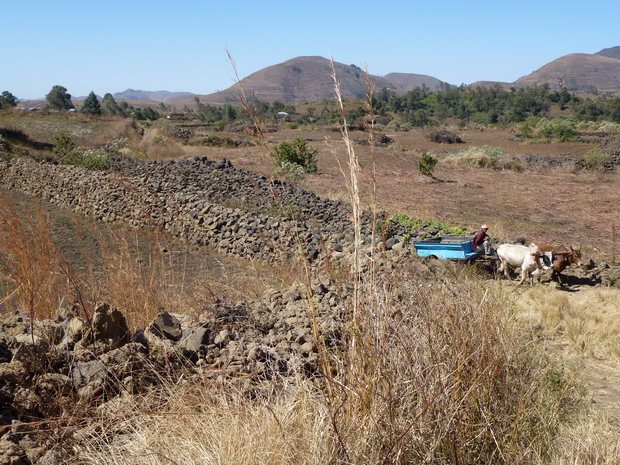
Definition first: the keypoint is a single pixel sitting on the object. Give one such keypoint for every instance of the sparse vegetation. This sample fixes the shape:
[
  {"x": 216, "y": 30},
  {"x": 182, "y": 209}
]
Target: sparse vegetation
[
  {"x": 91, "y": 159},
  {"x": 428, "y": 366},
  {"x": 594, "y": 160},
  {"x": 295, "y": 156}
]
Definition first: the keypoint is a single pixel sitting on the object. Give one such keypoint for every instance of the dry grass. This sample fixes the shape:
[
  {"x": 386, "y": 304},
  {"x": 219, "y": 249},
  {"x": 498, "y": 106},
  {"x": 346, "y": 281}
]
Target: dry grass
[
  {"x": 156, "y": 145},
  {"x": 34, "y": 276},
  {"x": 443, "y": 377},
  {"x": 429, "y": 370},
  {"x": 194, "y": 425},
  {"x": 590, "y": 319},
  {"x": 591, "y": 441},
  {"x": 46, "y": 266}
]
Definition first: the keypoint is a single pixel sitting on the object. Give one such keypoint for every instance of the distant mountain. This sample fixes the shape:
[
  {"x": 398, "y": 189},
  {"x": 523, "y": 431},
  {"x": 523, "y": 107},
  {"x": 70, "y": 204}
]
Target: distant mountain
[
  {"x": 578, "y": 71},
  {"x": 490, "y": 84},
  {"x": 156, "y": 96},
  {"x": 307, "y": 79},
  {"x": 301, "y": 79},
  {"x": 613, "y": 52},
  {"x": 404, "y": 82}
]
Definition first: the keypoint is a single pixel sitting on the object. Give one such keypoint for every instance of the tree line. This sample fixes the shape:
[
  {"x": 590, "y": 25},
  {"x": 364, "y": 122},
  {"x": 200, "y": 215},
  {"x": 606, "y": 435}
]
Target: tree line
[
  {"x": 491, "y": 105},
  {"x": 418, "y": 107}
]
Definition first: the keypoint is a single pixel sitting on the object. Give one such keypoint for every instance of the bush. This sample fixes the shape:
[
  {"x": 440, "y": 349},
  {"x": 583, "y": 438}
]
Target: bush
[
  {"x": 594, "y": 160},
  {"x": 297, "y": 153},
  {"x": 91, "y": 159},
  {"x": 64, "y": 144},
  {"x": 426, "y": 165},
  {"x": 291, "y": 172},
  {"x": 564, "y": 133}
]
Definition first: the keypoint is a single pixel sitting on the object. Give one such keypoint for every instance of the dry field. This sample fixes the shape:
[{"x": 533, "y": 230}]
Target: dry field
[
  {"x": 580, "y": 326},
  {"x": 559, "y": 206}
]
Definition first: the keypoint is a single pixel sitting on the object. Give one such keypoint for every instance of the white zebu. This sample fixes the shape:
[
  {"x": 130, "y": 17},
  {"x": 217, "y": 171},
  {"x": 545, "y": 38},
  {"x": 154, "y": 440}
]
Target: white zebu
[{"x": 519, "y": 256}]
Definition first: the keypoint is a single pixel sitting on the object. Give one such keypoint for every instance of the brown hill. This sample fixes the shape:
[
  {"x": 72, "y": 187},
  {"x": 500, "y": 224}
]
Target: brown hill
[
  {"x": 301, "y": 79},
  {"x": 307, "y": 79},
  {"x": 404, "y": 82},
  {"x": 577, "y": 71},
  {"x": 612, "y": 52},
  {"x": 490, "y": 84}
]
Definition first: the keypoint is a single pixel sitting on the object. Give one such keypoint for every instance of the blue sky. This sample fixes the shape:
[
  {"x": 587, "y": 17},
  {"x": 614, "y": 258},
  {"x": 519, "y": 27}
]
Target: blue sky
[{"x": 110, "y": 45}]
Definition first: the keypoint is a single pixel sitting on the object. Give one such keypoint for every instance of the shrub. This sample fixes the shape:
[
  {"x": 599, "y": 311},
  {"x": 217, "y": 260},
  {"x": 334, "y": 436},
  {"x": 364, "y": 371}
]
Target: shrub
[
  {"x": 426, "y": 165},
  {"x": 564, "y": 133},
  {"x": 64, "y": 144},
  {"x": 91, "y": 159},
  {"x": 296, "y": 152},
  {"x": 594, "y": 160},
  {"x": 219, "y": 126},
  {"x": 291, "y": 172}
]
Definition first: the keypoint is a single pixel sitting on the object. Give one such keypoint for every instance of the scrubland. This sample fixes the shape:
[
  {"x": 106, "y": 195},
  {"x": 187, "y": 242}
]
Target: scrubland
[{"x": 440, "y": 366}]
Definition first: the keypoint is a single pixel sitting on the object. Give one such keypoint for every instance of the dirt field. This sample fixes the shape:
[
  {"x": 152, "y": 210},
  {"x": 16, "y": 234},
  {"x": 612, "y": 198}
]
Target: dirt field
[{"x": 558, "y": 206}]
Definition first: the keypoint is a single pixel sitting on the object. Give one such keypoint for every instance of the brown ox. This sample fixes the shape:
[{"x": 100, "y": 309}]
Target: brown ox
[{"x": 561, "y": 258}]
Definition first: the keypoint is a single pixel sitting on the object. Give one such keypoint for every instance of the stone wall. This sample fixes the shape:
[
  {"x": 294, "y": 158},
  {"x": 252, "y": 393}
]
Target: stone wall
[{"x": 194, "y": 200}]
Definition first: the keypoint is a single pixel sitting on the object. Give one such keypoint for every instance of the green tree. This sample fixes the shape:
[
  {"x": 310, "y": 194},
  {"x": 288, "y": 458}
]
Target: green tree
[
  {"x": 109, "y": 105},
  {"x": 612, "y": 110},
  {"x": 146, "y": 113},
  {"x": 91, "y": 105},
  {"x": 7, "y": 99},
  {"x": 588, "y": 110},
  {"x": 230, "y": 114},
  {"x": 59, "y": 99},
  {"x": 427, "y": 164}
]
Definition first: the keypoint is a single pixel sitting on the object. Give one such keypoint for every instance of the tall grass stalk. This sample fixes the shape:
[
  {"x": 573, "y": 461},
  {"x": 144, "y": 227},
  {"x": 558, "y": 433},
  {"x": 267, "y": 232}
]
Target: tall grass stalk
[
  {"x": 351, "y": 181},
  {"x": 302, "y": 264}
]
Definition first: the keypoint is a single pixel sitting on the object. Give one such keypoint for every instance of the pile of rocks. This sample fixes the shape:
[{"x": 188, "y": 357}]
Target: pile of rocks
[{"x": 70, "y": 362}]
